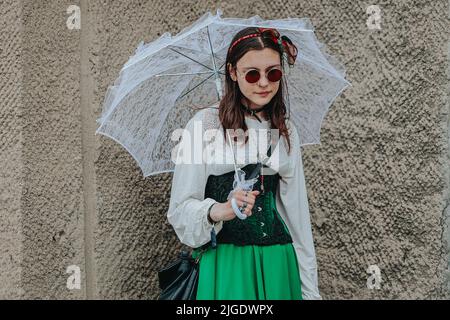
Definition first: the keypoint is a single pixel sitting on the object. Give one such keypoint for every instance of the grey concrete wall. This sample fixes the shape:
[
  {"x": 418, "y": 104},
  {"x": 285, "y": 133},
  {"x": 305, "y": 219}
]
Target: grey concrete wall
[
  {"x": 52, "y": 204},
  {"x": 377, "y": 184},
  {"x": 11, "y": 141}
]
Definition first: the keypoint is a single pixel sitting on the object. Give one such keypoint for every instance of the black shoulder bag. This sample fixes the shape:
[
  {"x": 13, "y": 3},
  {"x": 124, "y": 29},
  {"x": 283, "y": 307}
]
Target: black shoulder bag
[{"x": 178, "y": 281}]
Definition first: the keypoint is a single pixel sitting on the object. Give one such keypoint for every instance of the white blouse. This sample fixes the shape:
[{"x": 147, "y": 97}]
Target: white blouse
[{"x": 188, "y": 207}]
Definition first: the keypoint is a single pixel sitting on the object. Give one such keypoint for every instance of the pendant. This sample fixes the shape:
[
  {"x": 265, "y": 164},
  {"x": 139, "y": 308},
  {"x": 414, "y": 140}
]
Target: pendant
[{"x": 262, "y": 180}]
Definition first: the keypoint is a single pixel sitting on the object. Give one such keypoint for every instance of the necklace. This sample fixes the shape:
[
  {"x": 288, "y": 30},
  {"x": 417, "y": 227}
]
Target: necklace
[
  {"x": 254, "y": 111},
  {"x": 261, "y": 159}
]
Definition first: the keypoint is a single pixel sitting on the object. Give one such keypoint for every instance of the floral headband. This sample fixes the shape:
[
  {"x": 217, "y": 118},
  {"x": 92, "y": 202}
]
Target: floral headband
[{"x": 284, "y": 42}]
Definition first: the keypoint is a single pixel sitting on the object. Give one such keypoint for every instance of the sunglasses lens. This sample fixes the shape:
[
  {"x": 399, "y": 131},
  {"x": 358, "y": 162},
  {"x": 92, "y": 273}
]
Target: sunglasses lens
[
  {"x": 252, "y": 76},
  {"x": 274, "y": 75}
]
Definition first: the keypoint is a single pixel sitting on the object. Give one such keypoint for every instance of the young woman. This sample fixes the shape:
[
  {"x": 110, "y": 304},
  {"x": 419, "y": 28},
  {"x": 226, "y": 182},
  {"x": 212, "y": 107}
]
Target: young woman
[{"x": 269, "y": 254}]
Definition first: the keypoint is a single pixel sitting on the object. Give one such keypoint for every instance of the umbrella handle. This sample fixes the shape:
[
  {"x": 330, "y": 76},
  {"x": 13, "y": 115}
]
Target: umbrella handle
[
  {"x": 236, "y": 210},
  {"x": 239, "y": 184}
]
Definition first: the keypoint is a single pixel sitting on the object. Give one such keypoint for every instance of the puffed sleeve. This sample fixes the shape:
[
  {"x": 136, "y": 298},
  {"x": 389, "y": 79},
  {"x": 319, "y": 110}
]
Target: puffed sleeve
[
  {"x": 188, "y": 208},
  {"x": 292, "y": 204}
]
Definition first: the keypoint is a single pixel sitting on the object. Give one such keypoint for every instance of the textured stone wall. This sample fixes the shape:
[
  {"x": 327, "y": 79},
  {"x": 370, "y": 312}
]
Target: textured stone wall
[
  {"x": 52, "y": 204},
  {"x": 11, "y": 141},
  {"x": 377, "y": 184}
]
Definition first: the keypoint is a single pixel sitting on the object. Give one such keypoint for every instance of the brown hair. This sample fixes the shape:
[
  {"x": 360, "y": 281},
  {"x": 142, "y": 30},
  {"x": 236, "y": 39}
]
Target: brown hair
[{"x": 230, "y": 112}]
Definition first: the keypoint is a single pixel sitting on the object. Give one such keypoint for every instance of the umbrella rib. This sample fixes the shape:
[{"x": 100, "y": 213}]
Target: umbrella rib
[
  {"x": 190, "y": 73},
  {"x": 212, "y": 50},
  {"x": 199, "y": 84},
  {"x": 191, "y": 58},
  {"x": 187, "y": 73},
  {"x": 221, "y": 68},
  {"x": 182, "y": 74},
  {"x": 216, "y": 71},
  {"x": 215, "y": 54}
]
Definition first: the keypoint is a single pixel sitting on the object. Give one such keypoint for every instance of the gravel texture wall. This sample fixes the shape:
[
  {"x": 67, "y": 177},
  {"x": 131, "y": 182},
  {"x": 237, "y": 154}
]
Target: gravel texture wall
[{"x": 378, "y": 184}]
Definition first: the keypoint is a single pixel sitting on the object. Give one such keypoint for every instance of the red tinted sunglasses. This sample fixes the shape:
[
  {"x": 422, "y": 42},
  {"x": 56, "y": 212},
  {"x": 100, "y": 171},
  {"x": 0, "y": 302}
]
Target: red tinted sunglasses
[{"x": 253, "y": 76}]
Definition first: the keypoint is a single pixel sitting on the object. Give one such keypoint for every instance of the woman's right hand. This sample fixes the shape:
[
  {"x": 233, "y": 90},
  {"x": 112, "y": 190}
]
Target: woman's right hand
[{"x": 224, "y": 211}]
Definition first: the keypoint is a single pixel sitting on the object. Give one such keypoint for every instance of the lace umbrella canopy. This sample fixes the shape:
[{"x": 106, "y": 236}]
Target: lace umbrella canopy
[{"x": 161, "y": 85}]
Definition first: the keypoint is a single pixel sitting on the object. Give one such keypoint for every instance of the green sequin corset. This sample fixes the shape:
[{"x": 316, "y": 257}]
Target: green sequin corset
[{"x": 265, "y": 226}]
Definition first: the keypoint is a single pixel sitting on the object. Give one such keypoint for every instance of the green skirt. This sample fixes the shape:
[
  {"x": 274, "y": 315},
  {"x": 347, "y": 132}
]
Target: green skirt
[{"x": 250, "y": 272}]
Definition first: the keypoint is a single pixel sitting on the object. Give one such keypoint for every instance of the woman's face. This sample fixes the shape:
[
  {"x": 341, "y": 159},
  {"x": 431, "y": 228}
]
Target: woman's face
[{"x": 263, "y": 61}]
